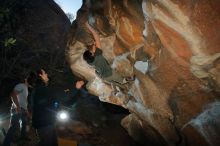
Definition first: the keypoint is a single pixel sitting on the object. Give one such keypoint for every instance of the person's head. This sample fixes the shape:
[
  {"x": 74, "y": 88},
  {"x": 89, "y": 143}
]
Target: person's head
[
  {"x": 27, "y": 79},
  {"x": 88, "y": 56},
  {"x": 31, "y": 79},
  {"x": 42, "y": 74}
]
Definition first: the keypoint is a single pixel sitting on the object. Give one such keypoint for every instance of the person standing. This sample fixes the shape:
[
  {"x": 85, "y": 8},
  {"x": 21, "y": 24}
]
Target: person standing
[
  {"x": 43, "y": 110},
  {"x": 19, "y": 111}
]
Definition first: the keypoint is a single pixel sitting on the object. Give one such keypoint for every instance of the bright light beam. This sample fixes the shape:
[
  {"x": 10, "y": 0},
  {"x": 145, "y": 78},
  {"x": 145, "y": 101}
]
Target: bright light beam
[{"x": 63, "y": 116}]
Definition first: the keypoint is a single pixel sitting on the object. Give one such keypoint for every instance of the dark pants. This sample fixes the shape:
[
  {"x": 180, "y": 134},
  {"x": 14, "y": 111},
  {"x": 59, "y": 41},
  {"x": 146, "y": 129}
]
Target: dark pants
[
  {"x": 14, "y": 125},
  {"x": 47, "y": 136}
]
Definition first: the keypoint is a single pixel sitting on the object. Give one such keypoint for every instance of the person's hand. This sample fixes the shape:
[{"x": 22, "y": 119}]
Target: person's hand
[
  {"x": 87, "y": 24},
  {"x": 66, "y": 90},
  {"x": 79, "y": 84}
]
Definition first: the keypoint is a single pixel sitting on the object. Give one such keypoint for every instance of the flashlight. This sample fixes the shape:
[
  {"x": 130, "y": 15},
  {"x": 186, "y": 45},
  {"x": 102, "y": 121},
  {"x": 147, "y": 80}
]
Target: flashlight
[{"x": 63, "y": 116}]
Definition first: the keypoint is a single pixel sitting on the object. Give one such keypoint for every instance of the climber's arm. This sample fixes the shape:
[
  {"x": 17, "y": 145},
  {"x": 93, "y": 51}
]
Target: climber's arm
[{"x": 95, "y": 35}]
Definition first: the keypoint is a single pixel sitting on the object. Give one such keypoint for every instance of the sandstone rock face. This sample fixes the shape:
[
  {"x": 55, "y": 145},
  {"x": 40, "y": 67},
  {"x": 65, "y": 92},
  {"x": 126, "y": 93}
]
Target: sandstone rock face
[{"x": 172, "y": 48}]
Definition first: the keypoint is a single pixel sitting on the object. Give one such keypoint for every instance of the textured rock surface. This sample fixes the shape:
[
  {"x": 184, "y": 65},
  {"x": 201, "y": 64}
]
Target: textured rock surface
[
  {"x": 44, "y": 26},
  {"x": 40, "y": 28},
  {"x": 179, "y": 42}
]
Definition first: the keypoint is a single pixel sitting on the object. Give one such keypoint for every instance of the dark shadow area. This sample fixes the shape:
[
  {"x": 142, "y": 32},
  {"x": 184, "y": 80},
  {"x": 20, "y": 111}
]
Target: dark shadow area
[
  {"x": 91, "y": 122},
  {"x": 95, "y": 122}
]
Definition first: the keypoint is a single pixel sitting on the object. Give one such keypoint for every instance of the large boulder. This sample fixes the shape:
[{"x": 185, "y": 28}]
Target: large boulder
[{"x": 172, "y": 48}]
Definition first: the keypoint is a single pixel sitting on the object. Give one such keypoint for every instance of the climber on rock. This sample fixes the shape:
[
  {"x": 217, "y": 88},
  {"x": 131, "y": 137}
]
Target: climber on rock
[{"x": 93, "y": 56}]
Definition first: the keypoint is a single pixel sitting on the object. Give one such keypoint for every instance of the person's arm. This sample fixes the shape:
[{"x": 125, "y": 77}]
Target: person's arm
[
  {"x": 95, "y": 35},
  {"x": 77, "y": 86},
  {"x": 14, "y": 98}
]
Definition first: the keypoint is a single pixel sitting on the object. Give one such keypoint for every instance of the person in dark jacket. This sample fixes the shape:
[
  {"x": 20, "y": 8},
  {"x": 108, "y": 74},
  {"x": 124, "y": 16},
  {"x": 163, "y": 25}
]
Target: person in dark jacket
[{"x": 43, "y": 111}]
